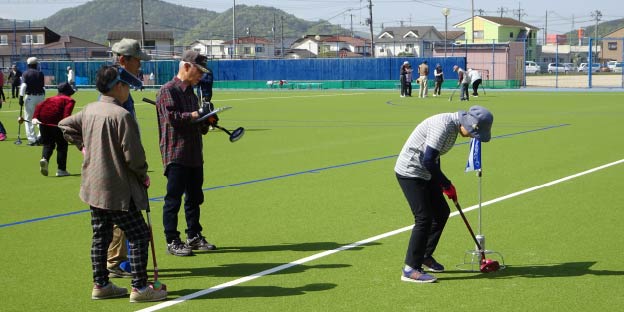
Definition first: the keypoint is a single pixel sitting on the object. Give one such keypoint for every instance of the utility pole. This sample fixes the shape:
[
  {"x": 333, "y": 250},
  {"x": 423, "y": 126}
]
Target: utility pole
[
  {"x": 370, "y": 24},
  {"x": 273, "y": 30},
  {"x": 546, "y": 28},
  {"x": 501, "y": 10},
  {"x": 481, "y": 12},
  {"x": 352, "y": 33},
  {"x": 282, "y": 40},
  {"x": 596, "y": 15},
  {"x": 142, "y": 27},
  {"x": 519, "y": 11},
  {"x": 233, "y": 29},
  {"x": 472, "y": 10}
]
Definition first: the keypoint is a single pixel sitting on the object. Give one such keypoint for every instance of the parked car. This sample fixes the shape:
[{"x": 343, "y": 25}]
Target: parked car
[
  {"x": 560, "y": 68},
  {"x": 611, "y": 64},
  {"x": 531, "y": 67},
  {"x": 583, "y": 68},
  {"x": 571, "y": 66},
  {"x": 617, "y": 68}
]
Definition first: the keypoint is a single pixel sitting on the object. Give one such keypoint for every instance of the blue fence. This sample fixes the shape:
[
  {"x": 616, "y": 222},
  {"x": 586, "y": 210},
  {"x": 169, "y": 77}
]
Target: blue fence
[{"x": 334, "y": 69}]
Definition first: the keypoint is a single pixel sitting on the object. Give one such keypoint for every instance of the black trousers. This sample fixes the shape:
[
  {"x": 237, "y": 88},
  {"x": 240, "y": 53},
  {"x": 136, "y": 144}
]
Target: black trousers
[
  {"x": 52, "y": 137},
  {"x": 2, "y": 93},
  {"x": 15, "y": 90},
  {"x": 430, "y": 211},
  {"x": 475, "y": 87},
  {"x": 188, "y": 181}
]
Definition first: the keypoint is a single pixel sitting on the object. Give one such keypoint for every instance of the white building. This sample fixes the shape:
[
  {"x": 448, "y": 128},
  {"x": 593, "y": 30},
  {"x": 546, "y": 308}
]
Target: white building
[{"x": 213, "y": 48}]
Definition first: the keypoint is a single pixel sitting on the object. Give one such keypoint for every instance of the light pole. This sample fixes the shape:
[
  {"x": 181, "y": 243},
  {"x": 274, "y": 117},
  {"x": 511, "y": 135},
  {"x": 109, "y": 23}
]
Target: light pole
[{"x": 446, "y": 12}]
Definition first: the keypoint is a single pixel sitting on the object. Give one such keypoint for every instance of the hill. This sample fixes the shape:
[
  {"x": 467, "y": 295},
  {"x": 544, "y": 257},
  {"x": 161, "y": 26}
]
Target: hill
[
  {"x": 604, "y": 29},
  {"x": 93, "y": 20}
]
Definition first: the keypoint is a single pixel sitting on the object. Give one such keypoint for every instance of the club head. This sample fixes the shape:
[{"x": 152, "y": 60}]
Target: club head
[
  {"x": 489, "y": 265},
  {"x": 237, "y": 134},
  {"x": 18, "y": 141}
]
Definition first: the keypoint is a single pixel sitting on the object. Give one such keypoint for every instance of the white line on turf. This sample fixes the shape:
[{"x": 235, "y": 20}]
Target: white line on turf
[{"x": 360, "y": 243}]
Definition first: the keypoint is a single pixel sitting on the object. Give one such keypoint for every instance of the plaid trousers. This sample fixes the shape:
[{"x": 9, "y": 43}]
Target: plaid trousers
[{"x": 137, "y": 233}]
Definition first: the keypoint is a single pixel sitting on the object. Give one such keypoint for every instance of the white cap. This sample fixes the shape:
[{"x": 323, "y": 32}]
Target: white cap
[
  {"x": 32, "y": 60},
  {"x": 406, "y": 63}
]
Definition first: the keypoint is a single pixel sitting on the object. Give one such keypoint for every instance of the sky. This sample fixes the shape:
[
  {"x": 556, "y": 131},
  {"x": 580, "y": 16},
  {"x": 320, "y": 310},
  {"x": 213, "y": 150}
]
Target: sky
[{"x": 558, "y": 16}]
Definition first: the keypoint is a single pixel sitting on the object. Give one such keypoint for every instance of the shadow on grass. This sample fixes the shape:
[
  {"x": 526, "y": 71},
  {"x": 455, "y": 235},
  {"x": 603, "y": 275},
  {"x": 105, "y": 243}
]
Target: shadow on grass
[
  {"x": 314, "y": 246},
  {"x": 570, "y": 269},
  {"x": 256, "y": 291},
  {"x": 240, "y": 270}
]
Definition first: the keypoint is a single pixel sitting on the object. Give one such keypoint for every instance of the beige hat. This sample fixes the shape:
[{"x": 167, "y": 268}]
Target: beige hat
[
  {"x": 32, "y": 60},
  {"x": 130, "y": 47}
]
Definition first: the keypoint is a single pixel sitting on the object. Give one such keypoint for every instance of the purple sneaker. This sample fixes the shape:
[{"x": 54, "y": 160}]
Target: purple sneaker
[{"x": 417, "y": 276}]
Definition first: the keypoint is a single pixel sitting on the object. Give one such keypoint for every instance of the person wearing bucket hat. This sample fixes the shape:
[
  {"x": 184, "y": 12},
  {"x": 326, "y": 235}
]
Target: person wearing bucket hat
[
  {"x": 47, "y": 115},
  {"x": 424, "y": 185}
]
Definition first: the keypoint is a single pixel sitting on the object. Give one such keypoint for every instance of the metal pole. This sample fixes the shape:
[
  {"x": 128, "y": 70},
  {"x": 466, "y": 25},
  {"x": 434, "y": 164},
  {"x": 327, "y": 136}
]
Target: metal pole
[
  {"x": 472, "y": 20},
  {"x": 233, "y": 29},
  {"x": 479, "y": 173},
  {"x": 445, "y": 33},
  {"x": 142, "y": 27},
  {"x": 370, "y": 10}
]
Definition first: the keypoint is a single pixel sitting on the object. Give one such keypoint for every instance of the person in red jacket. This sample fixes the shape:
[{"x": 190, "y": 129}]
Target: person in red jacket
[{"x": 48, "y": 114}]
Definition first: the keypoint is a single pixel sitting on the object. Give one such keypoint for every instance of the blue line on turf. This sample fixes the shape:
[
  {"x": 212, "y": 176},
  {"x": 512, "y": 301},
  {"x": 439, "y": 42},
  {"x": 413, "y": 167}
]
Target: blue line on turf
[{"x": 317, "y": 170}]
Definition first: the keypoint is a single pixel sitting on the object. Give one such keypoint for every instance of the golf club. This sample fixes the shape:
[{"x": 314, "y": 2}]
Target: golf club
[
  {"x": 19, "y": 127},
  {"x": 156, "y": 285},
  {"x": 234, "y": 135},
  {"x": 483, "y": 88},
  {"x": 453, "y": 93},
  {"x": 487, "y": 265}
]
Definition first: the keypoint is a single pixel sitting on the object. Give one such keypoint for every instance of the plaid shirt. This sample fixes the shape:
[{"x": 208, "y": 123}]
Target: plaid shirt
[{"x": 180, "y": 139}]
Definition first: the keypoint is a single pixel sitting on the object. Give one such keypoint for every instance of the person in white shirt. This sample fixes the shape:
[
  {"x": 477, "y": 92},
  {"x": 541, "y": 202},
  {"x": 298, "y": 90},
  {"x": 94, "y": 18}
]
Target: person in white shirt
[
  {"x": 475, "y": 77},
  {"x": 71, "y": 77}
]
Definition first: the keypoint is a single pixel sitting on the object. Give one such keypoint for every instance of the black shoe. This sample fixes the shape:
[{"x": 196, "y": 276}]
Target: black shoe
[
  {"x": 178, "y": 248},
  {"x": 200, "y": 243},
  {"x": 433, "y": 265}
]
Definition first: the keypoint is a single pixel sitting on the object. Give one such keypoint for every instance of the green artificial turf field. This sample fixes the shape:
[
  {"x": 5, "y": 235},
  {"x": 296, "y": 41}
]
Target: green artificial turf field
[{"x": 313, "y": 173}]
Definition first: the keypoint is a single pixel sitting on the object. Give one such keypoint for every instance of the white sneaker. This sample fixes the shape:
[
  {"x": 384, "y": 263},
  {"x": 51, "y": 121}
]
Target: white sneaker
[
  {"x": 62, "y": 173},
  {"x": 43, "y": 166}
]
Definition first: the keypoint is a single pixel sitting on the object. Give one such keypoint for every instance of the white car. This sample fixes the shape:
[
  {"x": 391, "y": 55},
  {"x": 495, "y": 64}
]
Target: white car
[
  {"x": 559, "y": 68},
  {"x": 583, "y": 67},
  {"x": 611, "y": 65},
  {"x": 617, "y": 68},
  {"x": 531, "y": 67}
]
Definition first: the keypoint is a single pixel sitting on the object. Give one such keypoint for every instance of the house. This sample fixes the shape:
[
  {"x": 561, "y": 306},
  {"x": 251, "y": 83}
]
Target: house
[
  {"x": 250, "y": 47},
  {"x": 72, "y": 48},
  {"x": 565, "y": 53},
  {"x": 17, "y": 43},
  {"x": 212, "y": 48},
  {"x": 158, "y": 43},
  {"x": 407, "y": 41},
  {"x": 311, "y": 43},
  {"x": 612, "y": 45},
  {"x": 492, "y": 29},
  {"x": 344, "y": 46}
]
